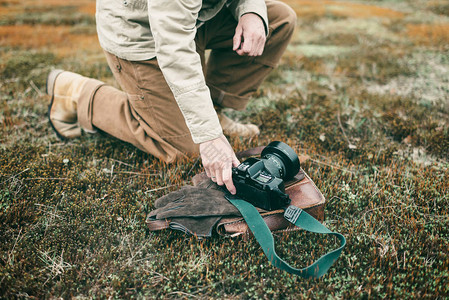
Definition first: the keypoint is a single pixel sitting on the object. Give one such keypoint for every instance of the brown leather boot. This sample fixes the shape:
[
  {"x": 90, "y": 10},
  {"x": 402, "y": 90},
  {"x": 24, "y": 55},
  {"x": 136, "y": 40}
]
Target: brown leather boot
[
  {"x": 233, "y": 128},
  {"x": 64, "y": 88}
]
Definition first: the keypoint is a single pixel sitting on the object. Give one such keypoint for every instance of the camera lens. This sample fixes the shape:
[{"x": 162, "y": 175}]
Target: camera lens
[{"x": 281, "y": 160}]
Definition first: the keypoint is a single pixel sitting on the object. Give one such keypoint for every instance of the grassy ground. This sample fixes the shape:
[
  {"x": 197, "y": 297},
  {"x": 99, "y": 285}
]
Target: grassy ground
[{"x": 363, "y": 90}]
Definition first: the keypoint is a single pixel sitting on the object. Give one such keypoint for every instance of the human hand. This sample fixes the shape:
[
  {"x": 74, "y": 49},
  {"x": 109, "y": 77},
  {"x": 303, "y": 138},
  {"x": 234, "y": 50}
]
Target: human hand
[
  {"x": 218, "y": 159},
  {"x": 249, "y": 38}
]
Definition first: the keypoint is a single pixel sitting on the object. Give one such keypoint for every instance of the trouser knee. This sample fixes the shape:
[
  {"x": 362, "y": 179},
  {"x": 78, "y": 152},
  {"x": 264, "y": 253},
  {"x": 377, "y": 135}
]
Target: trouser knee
[
  {"x": 283, "y": 18},
  {"x": 172, "y": 150}
]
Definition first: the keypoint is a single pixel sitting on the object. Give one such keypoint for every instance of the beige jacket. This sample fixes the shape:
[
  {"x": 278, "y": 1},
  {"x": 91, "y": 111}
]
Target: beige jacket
[{"x": 144, "y": 29}]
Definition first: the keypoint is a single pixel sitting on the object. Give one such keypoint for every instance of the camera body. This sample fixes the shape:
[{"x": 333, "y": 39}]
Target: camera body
[
  {"x": 260, "y": 181},
  {"x": 255, "y": 184}
]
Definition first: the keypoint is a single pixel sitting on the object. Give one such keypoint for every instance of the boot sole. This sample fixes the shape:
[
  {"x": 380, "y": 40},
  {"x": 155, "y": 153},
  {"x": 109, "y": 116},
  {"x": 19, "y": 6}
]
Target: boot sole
[{"x": 50, "y": 86}]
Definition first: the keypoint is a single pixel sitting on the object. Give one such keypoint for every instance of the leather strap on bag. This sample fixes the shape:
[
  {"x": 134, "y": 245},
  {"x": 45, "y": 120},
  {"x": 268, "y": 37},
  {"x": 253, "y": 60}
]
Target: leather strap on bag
[
  {"x": 299, "y": 218},
  {"x": 302, "y": 192}
]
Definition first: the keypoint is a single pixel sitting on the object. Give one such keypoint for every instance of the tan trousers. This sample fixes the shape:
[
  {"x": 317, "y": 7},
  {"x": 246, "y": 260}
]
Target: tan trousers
[{"x": 145, "y": 113}]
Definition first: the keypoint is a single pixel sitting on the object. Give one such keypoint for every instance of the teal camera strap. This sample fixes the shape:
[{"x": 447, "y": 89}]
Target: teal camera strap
[{"x": 298, "y": 217}]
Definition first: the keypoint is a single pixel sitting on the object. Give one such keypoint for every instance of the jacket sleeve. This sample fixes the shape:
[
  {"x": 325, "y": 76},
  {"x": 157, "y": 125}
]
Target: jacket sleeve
[
  {"x": 173, "y": 27},
  {"x": 240, "y": 7}
]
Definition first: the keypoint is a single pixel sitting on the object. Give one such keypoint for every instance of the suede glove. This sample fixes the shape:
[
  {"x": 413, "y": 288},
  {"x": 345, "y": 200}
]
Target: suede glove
[{"x": 194, "y": 209}]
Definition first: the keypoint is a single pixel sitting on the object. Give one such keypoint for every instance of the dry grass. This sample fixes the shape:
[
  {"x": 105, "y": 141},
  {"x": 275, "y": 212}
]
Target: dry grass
[
  {"x": 429, "y": 34},
  {"x": 12, "y": 7},
  {"x": 64, "y": 28},
  {"x": 57, "y": 39},
  {"x": 313, "y": 9}
]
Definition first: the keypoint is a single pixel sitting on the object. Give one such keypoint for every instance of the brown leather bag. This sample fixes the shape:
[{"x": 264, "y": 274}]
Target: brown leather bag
[
  {"x": 303, "y": 194},
  {"x": 301, "y": 189}
]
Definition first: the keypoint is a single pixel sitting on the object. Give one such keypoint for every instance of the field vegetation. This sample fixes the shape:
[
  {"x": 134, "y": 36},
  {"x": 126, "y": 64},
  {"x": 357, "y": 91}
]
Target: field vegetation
[{"x": 362, "y": 92}]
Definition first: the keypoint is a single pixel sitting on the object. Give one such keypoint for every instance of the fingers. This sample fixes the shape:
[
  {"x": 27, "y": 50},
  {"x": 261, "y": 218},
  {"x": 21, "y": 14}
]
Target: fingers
[
  {"x": 227, "y": 179},
  {"x": 210, "y": 171},
  {"x": 249, "y": 38},
  {"x": 218, "y": 158},
  {"x": 252, "y": 45},
  {"x": 235, "y": 161},
  {"x": 207, "y": 171},
  {"x": 219, "y": 176},
  {"x": 237, "y": 40},
  {"x": 221, "y": 173},
  {"x": 246, "y": 47}
]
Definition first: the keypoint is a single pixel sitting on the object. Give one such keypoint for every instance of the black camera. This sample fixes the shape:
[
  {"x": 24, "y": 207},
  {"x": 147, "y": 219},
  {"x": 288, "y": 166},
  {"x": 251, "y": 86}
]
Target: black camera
[{"x": 260, "y": 181}]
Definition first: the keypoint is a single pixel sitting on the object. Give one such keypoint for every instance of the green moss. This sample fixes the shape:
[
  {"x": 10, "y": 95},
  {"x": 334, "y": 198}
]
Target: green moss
[
  {"x": 440, "y": 8},
  {"x": 23, "y": 66}
]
